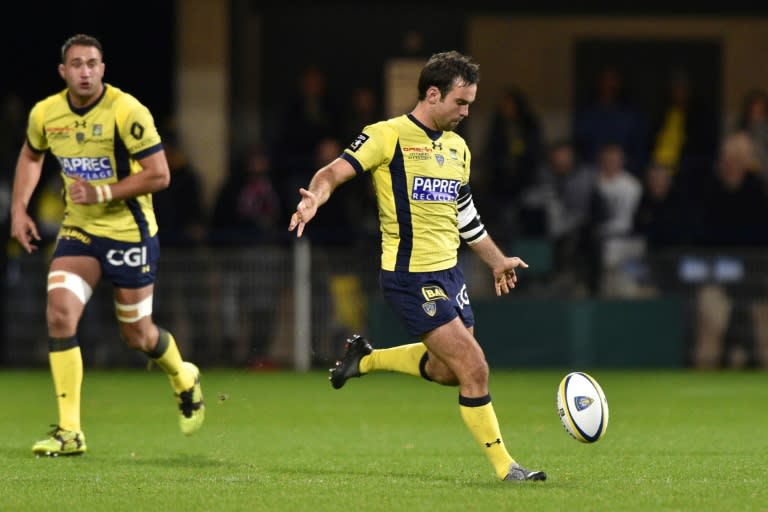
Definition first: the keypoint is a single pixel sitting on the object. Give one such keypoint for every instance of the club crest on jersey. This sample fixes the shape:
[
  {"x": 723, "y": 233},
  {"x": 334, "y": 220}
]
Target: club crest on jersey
[
  {"x": 88, "y": 168},
  {"x": 434, "y": 292},
  {"x": 429, "y": 308},
  {"x": 80, "y": 137},
  {"x": 434, "y": 189},
  {"x": 440, "y": 159},
  {"x": 582, "y": 402},
  {"x": 358, "y": 142}
]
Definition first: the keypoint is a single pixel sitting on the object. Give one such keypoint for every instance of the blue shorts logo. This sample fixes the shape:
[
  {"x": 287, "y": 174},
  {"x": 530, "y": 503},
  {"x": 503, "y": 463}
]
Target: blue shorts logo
[
  {"x": 88, "y": 168},
  {"x": 434, "y": 189}
]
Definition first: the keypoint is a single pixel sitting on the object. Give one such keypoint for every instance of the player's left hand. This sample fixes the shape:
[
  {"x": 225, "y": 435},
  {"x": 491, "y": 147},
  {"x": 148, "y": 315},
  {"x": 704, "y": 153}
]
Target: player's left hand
[
  {"x": 82, "y": 192},
  {"x": 305, "y": 211},
  {"x": 505, "y": 277}
]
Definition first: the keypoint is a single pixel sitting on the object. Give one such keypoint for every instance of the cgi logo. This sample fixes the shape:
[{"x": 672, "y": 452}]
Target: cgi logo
[
  {"x": 135, "y": 257},
  {"x": 462, "y": 298}
]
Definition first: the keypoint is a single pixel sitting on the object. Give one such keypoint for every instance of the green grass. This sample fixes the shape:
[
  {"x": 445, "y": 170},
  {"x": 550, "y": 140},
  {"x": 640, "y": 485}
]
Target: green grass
[{"x": 285, "y": 441}]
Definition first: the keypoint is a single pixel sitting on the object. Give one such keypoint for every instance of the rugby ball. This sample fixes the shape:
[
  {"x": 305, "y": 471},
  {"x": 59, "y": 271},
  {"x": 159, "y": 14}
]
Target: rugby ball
[{"x": 582, "y": 407}]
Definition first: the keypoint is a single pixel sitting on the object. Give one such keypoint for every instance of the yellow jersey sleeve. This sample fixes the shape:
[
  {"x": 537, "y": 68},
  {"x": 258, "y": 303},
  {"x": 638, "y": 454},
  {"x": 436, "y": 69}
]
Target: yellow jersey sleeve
[
  {"x": 136, "y": 126},
  {"x": 373, "y": 148}
]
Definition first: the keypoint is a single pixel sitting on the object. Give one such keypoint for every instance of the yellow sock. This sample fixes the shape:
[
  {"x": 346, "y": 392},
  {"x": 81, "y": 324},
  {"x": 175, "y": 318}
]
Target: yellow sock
[
  {"x": 403, "y": 359},
  {"x": 480, "y": 419},
  {"x": 166, "y": 355},
  {"x": 66, "y": 363}
]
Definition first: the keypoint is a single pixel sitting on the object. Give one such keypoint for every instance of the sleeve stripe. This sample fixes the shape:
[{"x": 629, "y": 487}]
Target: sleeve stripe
[
  {"x": 473, "y": 240},
  {"x": 353, "y": 162},
  {"x": 471, "y": 228},
  {"x": 471, "y": 231},
  {"x": 33, "y": 148},
  {"x": 146, "y": 152}
]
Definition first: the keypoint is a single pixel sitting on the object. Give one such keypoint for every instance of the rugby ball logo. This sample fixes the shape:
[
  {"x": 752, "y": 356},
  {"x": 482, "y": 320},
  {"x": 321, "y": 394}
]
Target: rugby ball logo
[{"x": 582, "y": 407}]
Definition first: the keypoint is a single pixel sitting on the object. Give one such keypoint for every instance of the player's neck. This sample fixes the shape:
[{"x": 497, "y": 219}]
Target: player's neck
[
  {"x": 85, "y": 101},
  {"x": 422, "y": 115}
]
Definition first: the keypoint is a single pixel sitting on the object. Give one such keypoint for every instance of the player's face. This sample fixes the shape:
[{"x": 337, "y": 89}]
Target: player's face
[
  {"x": 454, "y": 107},
  {"x": 83, "y": 71}
]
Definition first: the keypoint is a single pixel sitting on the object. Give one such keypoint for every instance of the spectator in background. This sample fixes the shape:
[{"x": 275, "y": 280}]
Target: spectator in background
[
  {"x": 684, "y": 133},
  {"x": 731, "y": 216},
  {"x": 618, "y": 193},
  {"x": 362, "y": 110},
  {"x": 513, "y": 150},
  {"x": 661, "y": 217},
  {"x": 247, "y": 208},
  {"x": 564, "y": 190},
  {"x": 733, "y": 206},
  {"x": 610, "y": 118},
  {"x": 245, "y": 218},
  {"x": 312, "y": 115},
  {"x": 560, "y": 206},
  {"x": 753, "y": 120},
  {"x": 619, "y": 190}
]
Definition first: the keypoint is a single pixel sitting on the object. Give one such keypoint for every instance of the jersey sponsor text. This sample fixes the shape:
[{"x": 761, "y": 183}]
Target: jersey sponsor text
[
  {"x": 88, "y": 168},
  {"x": 434, "y": 189}
]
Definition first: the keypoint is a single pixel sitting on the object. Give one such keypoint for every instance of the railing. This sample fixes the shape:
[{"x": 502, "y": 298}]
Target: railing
[
  {"x": 289, "y": 306},
  {"x": 259, "y": 306}
]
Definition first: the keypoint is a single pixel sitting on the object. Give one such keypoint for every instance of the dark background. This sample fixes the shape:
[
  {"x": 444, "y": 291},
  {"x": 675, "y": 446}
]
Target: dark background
[
  {"x": 139, "y": 38},
  {"x": 138, "y": 42}
]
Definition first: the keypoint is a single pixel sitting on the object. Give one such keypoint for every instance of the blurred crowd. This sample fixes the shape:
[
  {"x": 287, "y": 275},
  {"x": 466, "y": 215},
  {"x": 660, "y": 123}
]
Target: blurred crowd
[
  {"x": 677, "y": 176},
  {"x": 623, "y": 181}
]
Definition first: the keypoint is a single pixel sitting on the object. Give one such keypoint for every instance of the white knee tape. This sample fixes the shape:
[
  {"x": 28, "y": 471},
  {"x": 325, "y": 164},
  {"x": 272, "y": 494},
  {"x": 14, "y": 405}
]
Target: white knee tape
[
  {"x": 130, "y": 313},
  {"x": 70, "y": 281}
]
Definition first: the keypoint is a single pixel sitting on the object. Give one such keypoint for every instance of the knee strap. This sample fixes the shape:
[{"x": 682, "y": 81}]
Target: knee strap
[
  {"x": 131, "y": 313},
  {"x": 70, "y": 281}
]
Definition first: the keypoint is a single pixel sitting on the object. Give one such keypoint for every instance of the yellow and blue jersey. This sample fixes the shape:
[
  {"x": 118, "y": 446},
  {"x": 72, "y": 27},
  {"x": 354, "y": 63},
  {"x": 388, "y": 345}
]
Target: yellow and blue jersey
[
  {"x": 101, "y": 144},
  {"x": 418, "y": 175}
]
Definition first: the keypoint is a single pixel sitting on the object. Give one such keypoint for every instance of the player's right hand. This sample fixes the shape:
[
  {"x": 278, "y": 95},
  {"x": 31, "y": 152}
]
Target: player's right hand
[
  {"x": 305, "y": 211},
  {"x": 24, "y": 230}
]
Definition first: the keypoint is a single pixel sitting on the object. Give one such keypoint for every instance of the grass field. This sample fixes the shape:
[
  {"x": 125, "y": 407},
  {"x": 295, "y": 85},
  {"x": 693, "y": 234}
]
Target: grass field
[{"x": 285, "y": 441}]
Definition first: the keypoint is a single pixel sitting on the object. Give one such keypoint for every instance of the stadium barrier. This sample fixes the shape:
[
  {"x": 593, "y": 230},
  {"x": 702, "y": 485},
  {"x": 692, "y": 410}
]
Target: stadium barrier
[{"x": 286, "y": 306}]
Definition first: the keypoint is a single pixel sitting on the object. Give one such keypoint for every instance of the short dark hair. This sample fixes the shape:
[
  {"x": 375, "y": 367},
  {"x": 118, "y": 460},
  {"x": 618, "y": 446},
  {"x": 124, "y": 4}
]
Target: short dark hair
[
  {"x": 79, "y": 40},
  {"x": 443, "y": 69}
]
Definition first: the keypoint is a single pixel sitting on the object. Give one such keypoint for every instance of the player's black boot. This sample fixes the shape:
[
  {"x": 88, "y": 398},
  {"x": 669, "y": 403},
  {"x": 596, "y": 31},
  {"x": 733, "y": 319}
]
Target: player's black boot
[
  {"x": 349, "y": 366},
  {"x": 518, "y": 472}
]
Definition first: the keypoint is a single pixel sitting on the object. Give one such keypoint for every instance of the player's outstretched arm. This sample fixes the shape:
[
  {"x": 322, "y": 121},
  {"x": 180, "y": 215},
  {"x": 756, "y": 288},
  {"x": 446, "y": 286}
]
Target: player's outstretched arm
[
  {"x": 322, "y": 185},
  {"x": 29, "y": 167},
  {"x": 503, "y": 267}
]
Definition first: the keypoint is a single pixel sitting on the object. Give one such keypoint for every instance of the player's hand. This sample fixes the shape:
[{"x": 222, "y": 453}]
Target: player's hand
[
  {"x": 505, "y": 277},
  {"x": 24, "y": 230},
  {"x": 82, "y": 192},
  {"x": 305, "y": 211}
]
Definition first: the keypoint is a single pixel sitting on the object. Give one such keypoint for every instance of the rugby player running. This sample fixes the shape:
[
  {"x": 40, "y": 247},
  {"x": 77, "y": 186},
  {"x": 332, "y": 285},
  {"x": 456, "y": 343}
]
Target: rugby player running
[
  {"x": 420, "y": 170},
  {"x": 112, "y": 160}
]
